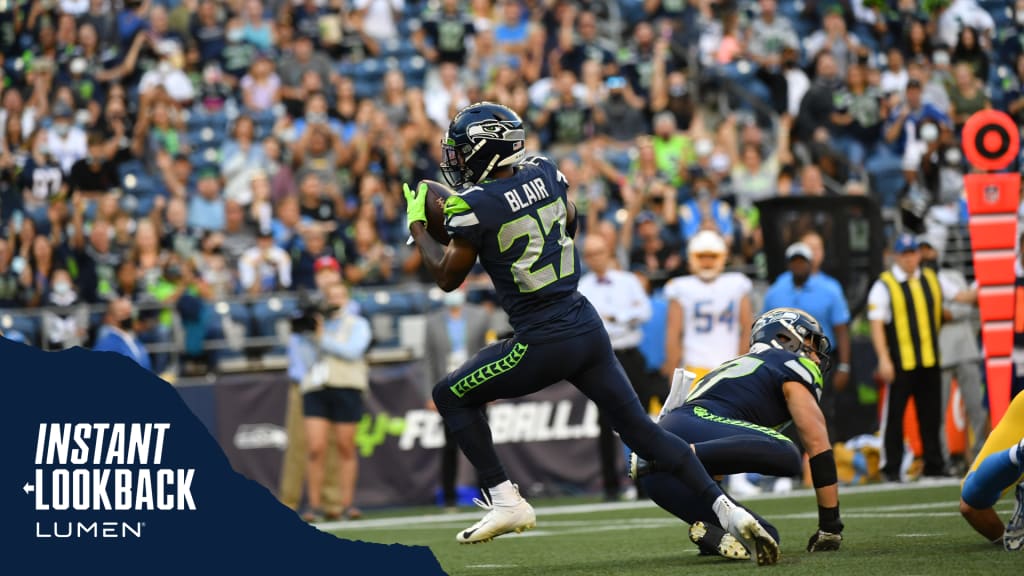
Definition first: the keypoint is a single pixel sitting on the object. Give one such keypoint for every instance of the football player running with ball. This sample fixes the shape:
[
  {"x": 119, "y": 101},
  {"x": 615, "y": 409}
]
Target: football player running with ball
[
  {"x": 731, "y": 417},
  {"x": 512, "y": 213}
]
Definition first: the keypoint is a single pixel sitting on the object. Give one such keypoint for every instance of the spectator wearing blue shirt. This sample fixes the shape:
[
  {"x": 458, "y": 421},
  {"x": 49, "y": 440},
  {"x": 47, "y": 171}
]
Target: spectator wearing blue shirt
[
  {"x": 316, "y": 112},
  {"x": 705, "y": 211},
  {"x": 119, "y": 334},
  {"x": 206, "y": 209},
  {"x": 910, "y": 114},
  {"x": 818, "y": 295}
]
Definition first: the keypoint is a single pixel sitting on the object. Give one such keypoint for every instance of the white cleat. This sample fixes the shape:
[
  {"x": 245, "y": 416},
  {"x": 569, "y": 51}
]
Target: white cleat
[
  {"x": 498, "y": 520},
  {"x": 712, "y": 537},
  {"x": 1013, "y": 538},
  {"x": 754, "y": 537}
]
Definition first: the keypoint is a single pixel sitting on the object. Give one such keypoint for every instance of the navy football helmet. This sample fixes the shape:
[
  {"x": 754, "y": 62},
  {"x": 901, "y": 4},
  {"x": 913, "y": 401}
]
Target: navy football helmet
[
  {"x": 481, "y": 137},
  {"x": 789, "y": 329}
]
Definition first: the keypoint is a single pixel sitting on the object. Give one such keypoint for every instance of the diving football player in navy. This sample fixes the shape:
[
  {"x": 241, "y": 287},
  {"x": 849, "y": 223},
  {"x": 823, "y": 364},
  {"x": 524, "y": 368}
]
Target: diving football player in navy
[
  {"x": 731, "y": 417},
  {"x": 512, "y": 213}
]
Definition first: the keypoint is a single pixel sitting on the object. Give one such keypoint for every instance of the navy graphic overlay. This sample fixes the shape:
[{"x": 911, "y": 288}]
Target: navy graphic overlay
[{"x": 107, "y": 471}]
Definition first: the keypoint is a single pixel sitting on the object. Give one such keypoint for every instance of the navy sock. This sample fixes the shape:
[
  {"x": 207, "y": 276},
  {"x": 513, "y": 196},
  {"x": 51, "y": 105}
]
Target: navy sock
[{"x": 478, "y": 446}]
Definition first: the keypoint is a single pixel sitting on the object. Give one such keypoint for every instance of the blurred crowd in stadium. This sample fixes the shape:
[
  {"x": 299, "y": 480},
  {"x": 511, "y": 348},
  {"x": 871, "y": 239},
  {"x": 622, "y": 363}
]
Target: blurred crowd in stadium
[{"x": 200, "y": 157}]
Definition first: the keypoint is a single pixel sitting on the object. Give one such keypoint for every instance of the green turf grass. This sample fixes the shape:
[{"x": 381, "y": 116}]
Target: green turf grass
[{"x": 908, "y": 531}]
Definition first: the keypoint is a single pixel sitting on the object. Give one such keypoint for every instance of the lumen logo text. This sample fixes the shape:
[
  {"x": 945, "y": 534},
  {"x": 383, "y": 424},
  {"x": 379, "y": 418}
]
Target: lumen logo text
[{"x": 93, "y": 467}]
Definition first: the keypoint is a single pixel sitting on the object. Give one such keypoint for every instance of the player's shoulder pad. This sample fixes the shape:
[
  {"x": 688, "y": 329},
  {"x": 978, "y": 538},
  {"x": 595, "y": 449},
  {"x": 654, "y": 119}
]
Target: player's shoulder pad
[
  {"x": 738, "y": 280},
  {"x": 673, "y": 286},
  {"x": 458, "y": 214},
  {"x": 803, "y": 370},
  {"x": 537, "y": 160},
  {"x": 456, "y": 204},
  {"x": 548, "y": 166}
]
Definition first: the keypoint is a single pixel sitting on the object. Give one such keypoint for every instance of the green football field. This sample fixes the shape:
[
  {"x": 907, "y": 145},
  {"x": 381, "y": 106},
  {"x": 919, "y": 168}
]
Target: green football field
[{"x": 890, "y": 530}]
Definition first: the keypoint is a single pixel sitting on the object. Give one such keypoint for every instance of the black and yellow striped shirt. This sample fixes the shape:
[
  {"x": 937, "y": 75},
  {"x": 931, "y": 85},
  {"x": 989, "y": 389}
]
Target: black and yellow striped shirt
[{"x": 916, "y": 316}]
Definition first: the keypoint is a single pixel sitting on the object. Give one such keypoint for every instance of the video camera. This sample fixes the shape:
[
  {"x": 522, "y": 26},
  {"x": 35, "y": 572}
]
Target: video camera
[{"x": 312, "y": 311}]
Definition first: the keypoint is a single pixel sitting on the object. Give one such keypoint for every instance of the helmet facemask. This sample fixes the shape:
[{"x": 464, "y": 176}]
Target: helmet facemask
[
  {"x": 795, "y": 339},
  {"x": 452, "y": 165},
  {"x": 707, "y": 254},
  {"x": 707, "y": 269}
]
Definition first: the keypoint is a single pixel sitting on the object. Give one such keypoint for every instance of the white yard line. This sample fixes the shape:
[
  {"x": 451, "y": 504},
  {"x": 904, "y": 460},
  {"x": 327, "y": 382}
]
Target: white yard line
[{"x": 548, "y": 511}]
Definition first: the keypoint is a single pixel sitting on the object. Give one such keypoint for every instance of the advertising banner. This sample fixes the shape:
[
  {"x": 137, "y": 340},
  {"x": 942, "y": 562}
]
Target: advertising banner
[
  {"x": 250, "y": 412},
  {"x": 547, "y": 441}
]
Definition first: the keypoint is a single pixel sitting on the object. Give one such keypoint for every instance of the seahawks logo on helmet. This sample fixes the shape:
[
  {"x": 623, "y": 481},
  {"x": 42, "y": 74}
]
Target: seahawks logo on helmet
[
  {"x": 786, "y": 315},
  {"x": 789, "y": 329},
  {"x": 495, "y": 130}
]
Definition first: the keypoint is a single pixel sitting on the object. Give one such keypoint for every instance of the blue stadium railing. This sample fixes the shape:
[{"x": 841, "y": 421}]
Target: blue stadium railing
[{"x": 384, "y": 307}]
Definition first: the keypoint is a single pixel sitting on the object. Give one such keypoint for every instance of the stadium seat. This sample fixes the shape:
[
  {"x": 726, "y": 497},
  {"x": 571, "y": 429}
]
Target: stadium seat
[
  {"x": 401, "y": 49},
  {"x": 370, "y": 69},
  {"x": 263, "y": 120},
  {"x": 138, "y": 183},
  {"x": 27, "y": 325},
  {"x": 216, "y": 120},
  {"x": 367, "y": 89},
  {"x": 420, "y": 303},
  {"x": 415, "y": 71},
  {"x": 400, "y": 304},
  {"x": 204, "y": 158},
  {"x": 346, "y": 69},
  {"x": 888, "y": 186},
  {"x": 129, "y": 167},
  {"x": 205, "y": 136}
]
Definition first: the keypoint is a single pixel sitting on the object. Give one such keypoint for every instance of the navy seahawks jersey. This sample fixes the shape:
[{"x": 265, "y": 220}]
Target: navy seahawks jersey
[
  {"x": 518, "y": 227},
  {"x": 749, "y": 387}
]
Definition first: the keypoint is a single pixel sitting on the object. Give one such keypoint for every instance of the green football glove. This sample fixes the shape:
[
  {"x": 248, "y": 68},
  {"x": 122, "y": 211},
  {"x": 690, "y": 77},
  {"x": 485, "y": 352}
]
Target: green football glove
[{"x": 415, "y": 203}]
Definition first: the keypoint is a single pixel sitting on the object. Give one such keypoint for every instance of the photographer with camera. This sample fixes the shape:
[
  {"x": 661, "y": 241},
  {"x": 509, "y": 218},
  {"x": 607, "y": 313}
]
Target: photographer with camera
[{"x": 327, "y": 356}]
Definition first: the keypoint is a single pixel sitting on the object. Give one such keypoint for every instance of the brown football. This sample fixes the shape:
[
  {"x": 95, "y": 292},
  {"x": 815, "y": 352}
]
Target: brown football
[{"x": 437, "y": 193}]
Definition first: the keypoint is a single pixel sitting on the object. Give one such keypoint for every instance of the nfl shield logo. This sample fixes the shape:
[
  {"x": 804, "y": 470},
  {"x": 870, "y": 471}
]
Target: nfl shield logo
[{"x": 991, "y": 193}]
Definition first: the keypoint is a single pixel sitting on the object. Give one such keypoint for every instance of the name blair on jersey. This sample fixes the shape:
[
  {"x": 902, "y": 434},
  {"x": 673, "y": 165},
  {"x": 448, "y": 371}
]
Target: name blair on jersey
[{"x": 534, "y": 191}]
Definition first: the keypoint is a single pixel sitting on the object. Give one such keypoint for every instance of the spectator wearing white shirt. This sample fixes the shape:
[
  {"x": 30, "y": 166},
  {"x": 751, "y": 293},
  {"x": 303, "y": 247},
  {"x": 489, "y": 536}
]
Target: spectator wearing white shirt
[
  {"x": 960, "y": 14},
  {"x": 447, "y": 96},
  {"x": 379, "y": 17},
  {"x": 797, "y": 82},
  {"x": 895, "y": 76},
  {"x": 169, "y": 73},
  {"x": 66, "y": 142},
  {"x": 74, "y": 7},
  {"x": 933, "y": 90},
  {"x": 624, "y": 306},
  {"x": 834, "y": 37},
  {"x": 265, "y": 269}
]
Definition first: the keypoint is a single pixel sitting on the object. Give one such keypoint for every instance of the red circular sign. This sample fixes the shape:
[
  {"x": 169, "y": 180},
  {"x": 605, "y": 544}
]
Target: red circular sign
[{"x": 991, "y": 140}]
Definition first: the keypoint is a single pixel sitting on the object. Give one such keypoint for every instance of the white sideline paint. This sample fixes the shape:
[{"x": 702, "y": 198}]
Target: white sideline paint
[{"x": 548, "y": 511}]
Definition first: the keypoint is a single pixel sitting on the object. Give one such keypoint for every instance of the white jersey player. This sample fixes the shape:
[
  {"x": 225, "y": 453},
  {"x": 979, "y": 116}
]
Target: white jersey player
[{"x": 710, "y": 313}]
